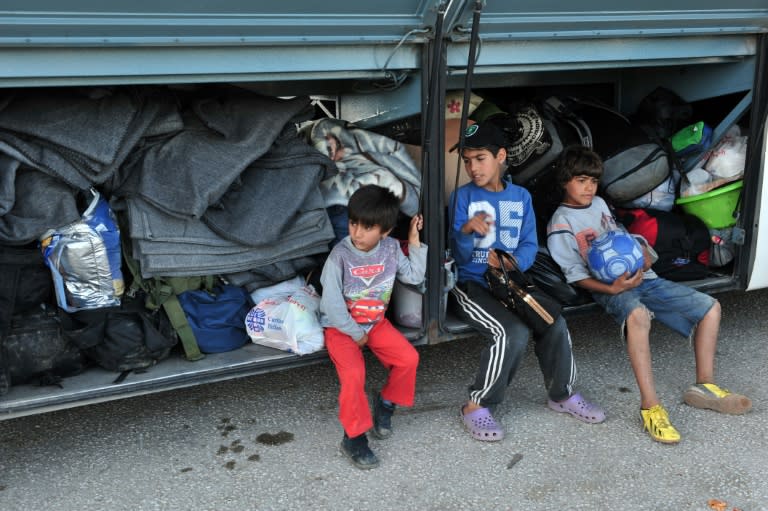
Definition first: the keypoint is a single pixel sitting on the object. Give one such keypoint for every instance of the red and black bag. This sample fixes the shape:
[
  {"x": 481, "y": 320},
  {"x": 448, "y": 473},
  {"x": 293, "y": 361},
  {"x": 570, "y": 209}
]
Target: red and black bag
[{"x": 682, "y": 241}]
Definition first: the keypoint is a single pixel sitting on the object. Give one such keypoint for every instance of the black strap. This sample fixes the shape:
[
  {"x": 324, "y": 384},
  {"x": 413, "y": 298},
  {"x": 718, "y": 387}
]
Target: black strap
[
  {"x": 121, "y": 377},
  {"x": 433, "y": 92},
  {"x": 49, "y": 378},
  {"x": 517, "y": 275},
  {"x": 471, "y": 58}
]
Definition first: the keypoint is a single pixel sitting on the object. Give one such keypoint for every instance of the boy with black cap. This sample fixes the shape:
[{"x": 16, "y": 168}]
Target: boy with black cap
[{"x": 493, "y": 213}]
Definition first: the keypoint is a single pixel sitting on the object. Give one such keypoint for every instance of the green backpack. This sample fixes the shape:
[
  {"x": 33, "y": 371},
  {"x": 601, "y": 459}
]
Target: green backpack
[{"x": 163, "y": 292}]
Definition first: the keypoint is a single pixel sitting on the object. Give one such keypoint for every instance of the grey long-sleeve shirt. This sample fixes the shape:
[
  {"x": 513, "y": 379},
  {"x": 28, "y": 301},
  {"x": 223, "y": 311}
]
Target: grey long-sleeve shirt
[{"x": 357, "y": 285}]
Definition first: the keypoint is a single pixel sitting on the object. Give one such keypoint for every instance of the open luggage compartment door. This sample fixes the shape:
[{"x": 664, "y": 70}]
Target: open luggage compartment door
[{"x": 166, "y": 41}]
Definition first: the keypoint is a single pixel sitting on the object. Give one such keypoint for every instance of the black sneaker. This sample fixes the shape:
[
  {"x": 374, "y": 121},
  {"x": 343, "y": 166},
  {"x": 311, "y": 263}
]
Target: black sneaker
[
  {"x": 382, "y": 418},
  {"x": 357, "y": 450}
]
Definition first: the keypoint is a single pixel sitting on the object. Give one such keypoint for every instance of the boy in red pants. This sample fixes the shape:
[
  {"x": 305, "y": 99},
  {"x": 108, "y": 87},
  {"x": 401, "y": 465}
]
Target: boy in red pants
[{"x": 357, "y": 281}]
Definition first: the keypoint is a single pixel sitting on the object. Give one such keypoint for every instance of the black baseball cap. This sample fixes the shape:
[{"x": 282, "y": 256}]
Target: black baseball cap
[{"x": 483, "y": 136}]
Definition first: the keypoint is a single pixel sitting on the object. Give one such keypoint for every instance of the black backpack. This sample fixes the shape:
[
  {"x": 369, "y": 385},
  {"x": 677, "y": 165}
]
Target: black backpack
[
  {"x": 662, "y": 113},
  {"x": 35, "y": 351},
  {"x": 120, "y": 338},
  {"x": 25, "y": 282},
  {"x": 31, "y": 345},
  {"x": 634, "y": 163},
  {"x": 682, "y": 241}
]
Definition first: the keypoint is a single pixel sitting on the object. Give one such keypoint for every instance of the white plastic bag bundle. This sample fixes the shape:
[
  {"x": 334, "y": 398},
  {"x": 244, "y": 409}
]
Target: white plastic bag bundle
[
  {"x": 282, "y": 289},
  {"x": 719, "y": 166},
  {"x": 728, "y": 156},
  {"x": 662, "y": 197},
  {"x": 406, "y": 304},
  {"x": 288, "y": 323}
]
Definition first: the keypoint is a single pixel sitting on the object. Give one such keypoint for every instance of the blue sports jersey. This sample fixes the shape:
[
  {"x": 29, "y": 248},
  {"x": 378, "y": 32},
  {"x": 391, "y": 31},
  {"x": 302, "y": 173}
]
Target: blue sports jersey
[{"x": 512, "y": 228}]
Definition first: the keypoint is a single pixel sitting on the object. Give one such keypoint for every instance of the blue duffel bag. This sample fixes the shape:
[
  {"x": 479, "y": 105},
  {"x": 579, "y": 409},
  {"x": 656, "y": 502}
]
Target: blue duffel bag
[{"x": 217, "y": 317}]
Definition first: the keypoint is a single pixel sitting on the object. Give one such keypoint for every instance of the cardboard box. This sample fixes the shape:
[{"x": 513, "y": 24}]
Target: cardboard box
[{"x": 452, "y": 162}]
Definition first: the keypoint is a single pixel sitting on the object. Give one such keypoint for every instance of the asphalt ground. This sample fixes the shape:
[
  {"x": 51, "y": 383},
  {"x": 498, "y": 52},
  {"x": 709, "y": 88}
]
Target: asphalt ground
[{"x": 272, "y": 441}]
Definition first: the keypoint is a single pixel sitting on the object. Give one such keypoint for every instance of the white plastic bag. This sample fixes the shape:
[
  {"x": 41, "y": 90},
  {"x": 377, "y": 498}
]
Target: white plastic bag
[
  {"x": 282, "y": 289},
  {"x": 662, "y": 197},
  {"x": 288, "y": 323},
  {"x": 728, "y": 156},
  {"x": 719, "y": 166},
  {"x": 406, "y": 304}
]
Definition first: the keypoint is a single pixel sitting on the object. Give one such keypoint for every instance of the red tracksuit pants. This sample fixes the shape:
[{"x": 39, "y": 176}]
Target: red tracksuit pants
[{"x": 394, "y": 352}]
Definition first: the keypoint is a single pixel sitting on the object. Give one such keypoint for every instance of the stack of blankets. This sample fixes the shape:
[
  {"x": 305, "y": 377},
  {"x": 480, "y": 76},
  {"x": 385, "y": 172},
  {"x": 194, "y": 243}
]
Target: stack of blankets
[
  {"x": 208, "y": 181},
  {"x": 216, "y": 184}
]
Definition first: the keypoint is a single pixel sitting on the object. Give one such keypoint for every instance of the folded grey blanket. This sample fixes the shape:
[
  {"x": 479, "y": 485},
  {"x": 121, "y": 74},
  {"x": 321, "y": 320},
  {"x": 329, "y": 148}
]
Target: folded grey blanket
[
  {"x": 304, "y": 226},
  {"x": 169, "y": 246},
  {"x": 79, "y": 138},
  {"x": 192, "y": 170},
  {"x": 47, "y": 204},
  {"x": 162, "y": 266},
  {"x": 8, "y": 168},
  {"x": 181, "y": 265},
  {"x": 269, "y": 274},
  {"x": 150, "y": 223},
  {"x": 270, "y": 192}
]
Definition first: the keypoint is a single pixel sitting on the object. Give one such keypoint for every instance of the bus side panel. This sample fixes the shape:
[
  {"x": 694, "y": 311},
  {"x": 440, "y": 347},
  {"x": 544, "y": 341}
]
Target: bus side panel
[{"x": 758, "y": 277}]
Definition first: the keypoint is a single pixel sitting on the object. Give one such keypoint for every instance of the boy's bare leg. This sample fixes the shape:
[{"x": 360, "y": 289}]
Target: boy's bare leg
[
  {"x": 710, "y": 395},
  {"x": 705, "y": 343},
  {"x": 655, "y": 418},
  {"x": 639, "y": 351}
]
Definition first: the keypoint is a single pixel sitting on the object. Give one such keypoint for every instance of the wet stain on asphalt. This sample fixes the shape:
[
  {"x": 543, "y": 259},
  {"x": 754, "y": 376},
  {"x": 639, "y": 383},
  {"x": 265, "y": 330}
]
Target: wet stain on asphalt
[
  {"x": 225, "y": 426},
  {"x": 276, "y": 439},
  {"x": 237, "y": 447}
]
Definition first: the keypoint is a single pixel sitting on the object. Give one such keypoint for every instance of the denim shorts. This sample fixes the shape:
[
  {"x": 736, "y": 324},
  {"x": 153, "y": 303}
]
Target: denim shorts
[{"x": 677, "y": 306}]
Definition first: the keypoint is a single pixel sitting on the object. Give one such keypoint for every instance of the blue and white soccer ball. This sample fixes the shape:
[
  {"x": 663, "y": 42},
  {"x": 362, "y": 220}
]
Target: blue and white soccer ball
[{"x": 612, "y": 254}]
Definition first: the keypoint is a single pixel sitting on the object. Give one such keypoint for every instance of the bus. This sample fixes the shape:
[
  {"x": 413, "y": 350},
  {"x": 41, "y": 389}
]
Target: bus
[{"x": 394, "y": 68}]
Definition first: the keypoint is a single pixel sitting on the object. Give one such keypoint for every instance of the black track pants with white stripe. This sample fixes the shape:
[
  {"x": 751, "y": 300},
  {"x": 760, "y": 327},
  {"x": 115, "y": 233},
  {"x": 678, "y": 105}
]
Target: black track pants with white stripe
[{"x": 507, "y": 338}]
